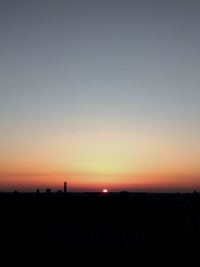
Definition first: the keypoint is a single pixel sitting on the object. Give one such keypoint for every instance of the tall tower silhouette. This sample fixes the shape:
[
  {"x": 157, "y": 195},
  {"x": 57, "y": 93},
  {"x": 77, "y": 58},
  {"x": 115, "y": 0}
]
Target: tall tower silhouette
[{"x": 65, "y": 187}]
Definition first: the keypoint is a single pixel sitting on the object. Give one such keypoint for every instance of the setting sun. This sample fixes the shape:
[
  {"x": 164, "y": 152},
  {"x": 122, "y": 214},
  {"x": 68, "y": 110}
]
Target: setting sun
[{"x": 94, "y": 98}]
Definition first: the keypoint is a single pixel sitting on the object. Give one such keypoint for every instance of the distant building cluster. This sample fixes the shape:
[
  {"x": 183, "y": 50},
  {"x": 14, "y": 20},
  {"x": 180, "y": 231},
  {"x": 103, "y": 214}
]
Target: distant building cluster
[{"x": 48, "y": 190}]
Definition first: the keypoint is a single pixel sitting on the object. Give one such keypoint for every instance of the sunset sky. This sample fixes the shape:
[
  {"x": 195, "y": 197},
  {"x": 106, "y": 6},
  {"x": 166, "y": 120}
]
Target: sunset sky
[{"x": 101, "y": 93}]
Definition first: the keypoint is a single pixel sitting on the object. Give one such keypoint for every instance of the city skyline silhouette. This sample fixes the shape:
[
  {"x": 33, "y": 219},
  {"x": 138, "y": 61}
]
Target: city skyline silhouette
[{"x": 99, "y": 132}]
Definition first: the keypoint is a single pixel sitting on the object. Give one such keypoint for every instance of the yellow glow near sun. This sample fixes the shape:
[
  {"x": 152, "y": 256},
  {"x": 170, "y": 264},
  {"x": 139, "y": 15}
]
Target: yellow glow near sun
[{"x": 97, "y": 159}]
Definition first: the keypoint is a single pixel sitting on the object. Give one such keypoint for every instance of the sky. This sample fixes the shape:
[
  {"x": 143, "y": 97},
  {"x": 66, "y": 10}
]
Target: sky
[{"x": 101, "y": 93}]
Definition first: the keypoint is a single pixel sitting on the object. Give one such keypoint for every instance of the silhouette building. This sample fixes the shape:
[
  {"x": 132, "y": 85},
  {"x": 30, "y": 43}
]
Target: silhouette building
[{"x": 65, "y": 187}]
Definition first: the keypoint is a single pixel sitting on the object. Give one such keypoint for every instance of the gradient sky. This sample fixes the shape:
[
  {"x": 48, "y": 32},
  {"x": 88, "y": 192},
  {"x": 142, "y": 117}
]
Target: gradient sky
[{"x": 101, "y": 93}]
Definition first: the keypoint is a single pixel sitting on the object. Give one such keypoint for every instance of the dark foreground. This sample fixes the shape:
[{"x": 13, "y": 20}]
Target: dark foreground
[{"x": 157, "y": 227}]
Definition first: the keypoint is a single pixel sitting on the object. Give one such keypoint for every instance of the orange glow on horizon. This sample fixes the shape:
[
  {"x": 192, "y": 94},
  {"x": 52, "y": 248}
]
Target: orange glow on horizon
[
  {"x": 121, "y": 160},
  {"x": 95, "y": 183}
]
